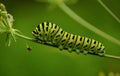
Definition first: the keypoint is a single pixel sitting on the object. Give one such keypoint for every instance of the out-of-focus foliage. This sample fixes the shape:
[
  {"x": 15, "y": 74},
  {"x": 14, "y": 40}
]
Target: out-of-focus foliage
[
  {"x": 6, "y": 22},
  {"x": 108, "y": 74}
]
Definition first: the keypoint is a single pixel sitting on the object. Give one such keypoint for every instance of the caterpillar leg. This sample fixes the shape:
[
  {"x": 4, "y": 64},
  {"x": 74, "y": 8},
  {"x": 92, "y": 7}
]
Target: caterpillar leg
[
  {"x": 77, "y": 51},
  {"x": 84, "y": 52},
  {"x": 60, "y": 47},
  {"x": 91, "y": 51},
  {"x": 41, "y": 41},
  {"x": 38, "y": 40},
  {"x": 70, "y": 50},
  {"x": 101, "y": 54}
]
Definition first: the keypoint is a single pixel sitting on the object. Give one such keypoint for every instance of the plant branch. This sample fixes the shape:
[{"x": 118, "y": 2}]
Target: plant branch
[
  {"x": 109, "y": 11},
  {"x": 34, "y": 40},
  {"x": 86, "y": 24},
  {"x": 25, "y": 37},
  {"x": 111, "y": 56}
]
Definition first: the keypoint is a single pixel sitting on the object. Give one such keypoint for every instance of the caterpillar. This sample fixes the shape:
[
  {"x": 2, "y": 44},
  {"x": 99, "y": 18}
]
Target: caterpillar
[{"x": 50, "y": 33}]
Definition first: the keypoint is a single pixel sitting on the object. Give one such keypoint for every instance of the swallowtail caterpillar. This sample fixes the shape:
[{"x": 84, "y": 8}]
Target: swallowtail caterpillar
[{"x": 51, "y": 33}]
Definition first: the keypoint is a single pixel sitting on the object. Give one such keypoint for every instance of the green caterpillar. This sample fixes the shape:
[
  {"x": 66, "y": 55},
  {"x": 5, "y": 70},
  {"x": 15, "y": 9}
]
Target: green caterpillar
[{"x": 50, "y": 33}]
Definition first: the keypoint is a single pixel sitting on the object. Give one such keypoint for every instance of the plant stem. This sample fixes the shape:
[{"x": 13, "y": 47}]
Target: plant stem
[
  {"x": 109, "y": 11},
  {"x": 86, "y": 24},
  {"x": 34, "y": 40},
  {"x": 111, "y": 56},
  {"x": 24, "y": 37}
]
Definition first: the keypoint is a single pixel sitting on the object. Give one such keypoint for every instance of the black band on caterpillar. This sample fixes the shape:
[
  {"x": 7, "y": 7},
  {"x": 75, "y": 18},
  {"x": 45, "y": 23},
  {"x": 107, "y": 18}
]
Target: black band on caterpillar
[{"x": 51, "y": 33}]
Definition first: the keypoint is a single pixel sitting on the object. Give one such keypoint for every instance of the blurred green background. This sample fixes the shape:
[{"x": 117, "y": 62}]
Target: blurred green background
[{"x": 48, "y": 61}]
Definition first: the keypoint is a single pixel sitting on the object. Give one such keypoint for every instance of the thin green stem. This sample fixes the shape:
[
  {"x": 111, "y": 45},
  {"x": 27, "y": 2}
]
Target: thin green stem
[
  {"x": 86, "y": 24},
  {"x": 111, "y": 56},
  {"x": 109, "y": 11},
  {"x": 34, "y": 40},
  {"x": 24, "y": 37}
]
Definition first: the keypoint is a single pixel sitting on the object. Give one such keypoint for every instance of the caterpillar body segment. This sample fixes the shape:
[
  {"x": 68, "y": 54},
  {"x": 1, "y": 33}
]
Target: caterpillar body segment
[
  {"x": 64, "y": 40},
  {"x": 57, "y": 37},
  {"x": 47, "y": 32}
]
